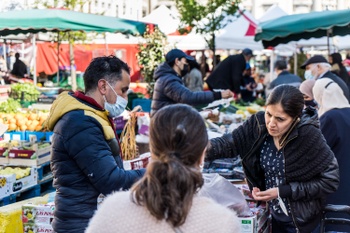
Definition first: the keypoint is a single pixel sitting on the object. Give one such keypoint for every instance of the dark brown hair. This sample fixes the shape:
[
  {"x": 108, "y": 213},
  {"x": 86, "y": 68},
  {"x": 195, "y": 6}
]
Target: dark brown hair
[
  {"x": 290, "y": 98},
  {"x": 106, "y": 67},
  {"x": 178, "y": 138}
]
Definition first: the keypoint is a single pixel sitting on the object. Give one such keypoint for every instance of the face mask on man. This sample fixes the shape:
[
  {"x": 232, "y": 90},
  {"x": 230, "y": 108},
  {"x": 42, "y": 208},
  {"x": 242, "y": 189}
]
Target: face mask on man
[
  {"x": 308, "y": 75},
  {"x": 184, "y": 71},
  {"x": 117, "y": 108}
]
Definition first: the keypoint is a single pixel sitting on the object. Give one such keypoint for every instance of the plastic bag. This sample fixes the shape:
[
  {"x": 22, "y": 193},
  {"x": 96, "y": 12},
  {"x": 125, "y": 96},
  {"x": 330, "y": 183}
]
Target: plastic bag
[{"x": 223, "y": 192}]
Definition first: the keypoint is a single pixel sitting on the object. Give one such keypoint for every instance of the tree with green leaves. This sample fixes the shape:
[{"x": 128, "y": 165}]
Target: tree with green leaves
[
  {"x": 150, "y": 55},
  {"x": 206, "y": 17}
]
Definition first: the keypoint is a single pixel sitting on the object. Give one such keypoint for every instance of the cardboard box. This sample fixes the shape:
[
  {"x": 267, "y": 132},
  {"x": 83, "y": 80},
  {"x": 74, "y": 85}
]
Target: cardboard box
[
  {"x": 38, "y": 214},
  {"x": 4, "y": 160},
  {"x": 6, "y": 183},
  {"x": 37, "y": 228},
  {"x": 138, "y": 163},
  {"x": 25, "y": 182},
  {"x": 249, "y": 224},
  {"x": 258, "y": 222}
]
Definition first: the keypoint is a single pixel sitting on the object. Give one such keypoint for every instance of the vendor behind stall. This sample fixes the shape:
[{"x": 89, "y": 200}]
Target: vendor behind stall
[{"x": 170, "y": 89}]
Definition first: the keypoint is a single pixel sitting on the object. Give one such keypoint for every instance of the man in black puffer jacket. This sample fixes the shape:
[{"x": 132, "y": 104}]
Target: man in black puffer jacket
[
  {"x": 86, "y": 158},
  {"x": 169, "y": 87}
]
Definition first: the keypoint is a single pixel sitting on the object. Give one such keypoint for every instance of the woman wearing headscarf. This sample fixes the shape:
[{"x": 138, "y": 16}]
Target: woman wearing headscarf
[
  {"x": 306, "y": 89},
  {"x": 334, "y": 112}
]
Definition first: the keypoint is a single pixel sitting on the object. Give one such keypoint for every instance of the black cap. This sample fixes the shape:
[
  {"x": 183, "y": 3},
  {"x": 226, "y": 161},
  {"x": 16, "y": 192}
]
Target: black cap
[
  {"x": 314, "y": 59},
  {"x": 176, "y": 53},
  {"x": 247, "y": 52}
]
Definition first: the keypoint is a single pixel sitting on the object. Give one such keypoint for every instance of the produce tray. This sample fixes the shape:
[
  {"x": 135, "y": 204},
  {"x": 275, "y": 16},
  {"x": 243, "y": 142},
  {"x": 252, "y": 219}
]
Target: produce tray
[
  {"x": 29, "y": 157},
  {"x": 3, "y": 159}
]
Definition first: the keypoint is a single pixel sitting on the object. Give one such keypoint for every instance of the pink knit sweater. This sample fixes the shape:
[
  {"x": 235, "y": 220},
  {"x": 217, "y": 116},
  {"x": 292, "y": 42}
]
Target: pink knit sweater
[{"x": 118, "y": 214}]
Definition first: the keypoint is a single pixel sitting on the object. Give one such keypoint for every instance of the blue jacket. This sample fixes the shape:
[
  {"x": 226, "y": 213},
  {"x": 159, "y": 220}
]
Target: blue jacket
[
  {"x": 286, "y": 78},
  {"x": 169, "y": 89},
  {"x": 85, "y": 161}
]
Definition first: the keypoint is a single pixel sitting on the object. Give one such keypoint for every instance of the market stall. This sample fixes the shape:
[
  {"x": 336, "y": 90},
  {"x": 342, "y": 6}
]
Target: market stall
[{"x": 25, "y": 164}]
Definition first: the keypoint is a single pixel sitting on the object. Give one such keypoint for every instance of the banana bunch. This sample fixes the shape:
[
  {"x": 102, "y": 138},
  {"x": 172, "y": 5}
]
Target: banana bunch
[
  {"x": 12, "y": 143},
  {"x": 2, "y": 182}
]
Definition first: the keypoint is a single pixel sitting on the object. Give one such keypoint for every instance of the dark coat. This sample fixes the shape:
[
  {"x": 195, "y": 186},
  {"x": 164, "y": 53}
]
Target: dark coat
[
  {"x": 311, "y": 171},
  {"x": 286, "y": 78},
  {"x": 228, "y": 74},
  {"x": 335, "y": 126},
  {"x": 84, "y": 163},
  {"x": 19, "y": 68},
  {"x": 339, "y": 81},
  {"x": 343, "y": 74},
  {"x": 169, "y": 89}
]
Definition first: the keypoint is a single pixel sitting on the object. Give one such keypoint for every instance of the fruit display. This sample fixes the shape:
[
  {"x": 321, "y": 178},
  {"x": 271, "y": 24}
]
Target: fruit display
[
  {"x": 19, "y": 171},
  {"x": 31, "y": 121},
  {"x": 10, "y": 106},
  {"x": 24, "y": 92}
]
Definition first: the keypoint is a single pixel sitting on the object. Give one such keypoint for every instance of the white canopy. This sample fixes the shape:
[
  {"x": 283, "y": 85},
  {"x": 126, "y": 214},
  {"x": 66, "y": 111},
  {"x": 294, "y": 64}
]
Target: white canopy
[
  {"x": 167, "y": 20},
  {"x": 239, "y": 34}
]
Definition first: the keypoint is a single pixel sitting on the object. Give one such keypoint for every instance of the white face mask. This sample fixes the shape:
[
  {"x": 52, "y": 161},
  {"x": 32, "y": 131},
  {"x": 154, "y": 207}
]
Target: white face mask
[
  {"x": 308, "y": 75},
  {"x": 117, "y": 108}
]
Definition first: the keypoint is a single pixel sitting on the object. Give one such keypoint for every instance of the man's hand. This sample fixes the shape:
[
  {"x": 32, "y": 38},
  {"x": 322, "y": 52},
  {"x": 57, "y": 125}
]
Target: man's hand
[
  {"x": 226, "y": 94},
  {"x": 267, "y": 195}
]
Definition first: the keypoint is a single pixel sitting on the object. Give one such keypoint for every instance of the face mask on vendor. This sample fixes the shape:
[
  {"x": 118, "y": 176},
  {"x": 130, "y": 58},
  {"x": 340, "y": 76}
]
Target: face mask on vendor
[
  {"x": 185, "y": 67},
  {"x": 118, "y": 107}
]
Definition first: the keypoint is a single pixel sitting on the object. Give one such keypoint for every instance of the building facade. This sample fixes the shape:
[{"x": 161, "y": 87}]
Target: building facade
[
  {"x": 136, "y": 9},
  {"x": 259, "y": 7}
]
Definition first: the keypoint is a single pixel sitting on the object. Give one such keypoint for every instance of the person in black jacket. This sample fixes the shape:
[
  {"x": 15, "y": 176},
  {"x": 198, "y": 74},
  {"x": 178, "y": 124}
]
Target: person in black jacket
[
  {"x": 229, "y": 72},
  {"x": 19, "y": 68},
  {"x": 86, "y": 158},
  {"x": 334, "y": 118},
  {"x": 280, "y": 165},
  {"x": 338, "y": 68},
  {"x": 317, "y": 67},
  {"x": 170, "y": 89}
]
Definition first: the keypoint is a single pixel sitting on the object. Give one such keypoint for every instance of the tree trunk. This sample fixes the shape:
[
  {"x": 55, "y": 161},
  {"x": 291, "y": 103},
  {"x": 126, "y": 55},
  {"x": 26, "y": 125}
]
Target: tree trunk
[{"x": 213, "y": 49}]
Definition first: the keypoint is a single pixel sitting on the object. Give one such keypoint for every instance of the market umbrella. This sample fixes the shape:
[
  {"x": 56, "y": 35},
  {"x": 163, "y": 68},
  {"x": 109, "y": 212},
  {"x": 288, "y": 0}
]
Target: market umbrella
[
  {"x": 55, "y": 20},
  {"x": 58, "y": 20},
  {"x": 303, "y": 26}
]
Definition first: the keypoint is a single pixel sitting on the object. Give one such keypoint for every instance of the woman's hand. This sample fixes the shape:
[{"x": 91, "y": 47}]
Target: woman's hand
[{"x": 267, "y": 195}]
